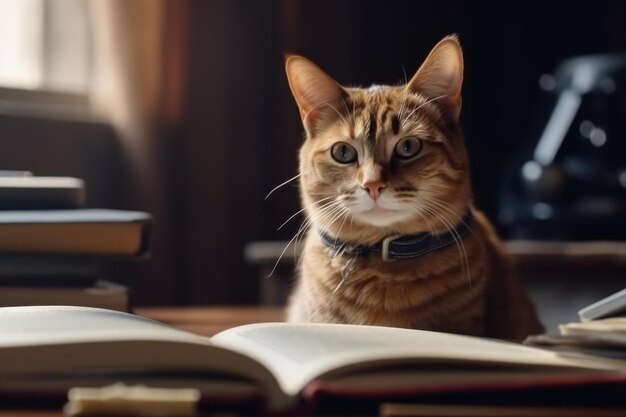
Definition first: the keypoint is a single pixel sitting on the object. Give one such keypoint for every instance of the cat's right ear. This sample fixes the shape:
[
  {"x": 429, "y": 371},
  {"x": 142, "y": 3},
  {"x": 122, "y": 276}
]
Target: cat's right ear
[{"x": 313, "y": 89}]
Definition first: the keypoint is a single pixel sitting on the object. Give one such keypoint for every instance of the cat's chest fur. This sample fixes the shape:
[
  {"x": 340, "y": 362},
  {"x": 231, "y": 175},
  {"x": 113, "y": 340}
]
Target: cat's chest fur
[{"x": 441, "y": 290}]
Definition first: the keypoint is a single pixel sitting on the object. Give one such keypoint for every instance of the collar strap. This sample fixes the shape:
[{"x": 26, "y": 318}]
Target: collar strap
[{"x": 403, "y": 247}]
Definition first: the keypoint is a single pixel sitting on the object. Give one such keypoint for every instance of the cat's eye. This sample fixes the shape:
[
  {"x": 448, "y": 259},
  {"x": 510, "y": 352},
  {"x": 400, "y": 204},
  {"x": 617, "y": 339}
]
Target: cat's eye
[
  {"x": 407, "y": 148},
  {"x": 343, "y": 153}
]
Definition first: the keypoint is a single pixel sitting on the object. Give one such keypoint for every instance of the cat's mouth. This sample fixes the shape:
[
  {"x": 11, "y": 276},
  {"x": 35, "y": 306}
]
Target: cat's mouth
[
  {"x": 380, "y": 216},
  {"x": 378, "y": 210}
]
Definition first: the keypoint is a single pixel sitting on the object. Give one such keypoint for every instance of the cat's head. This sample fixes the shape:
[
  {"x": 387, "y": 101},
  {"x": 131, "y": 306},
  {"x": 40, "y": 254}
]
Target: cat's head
[{"x": 385, "y": 159}]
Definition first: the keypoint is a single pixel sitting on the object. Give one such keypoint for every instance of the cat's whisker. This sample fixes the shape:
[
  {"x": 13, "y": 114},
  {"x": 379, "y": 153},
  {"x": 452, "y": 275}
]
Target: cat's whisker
[
  {"x": 453, "y": 230},
  {"x": 330, "y": 220},
  {"x": 335, "y": 215},
  {"x": 304, "y": 232},
  {"x": 328, "y": 211},
  {"x": 325, "y": 221},
  {"x": 281, "y": 255},
  {"x": 433, "y": 199},
  {"x": 344, "y": 215},
  {"x": 301, "y": 210},
  {"x": 343, "y": 119},
  {"x": 458, "y": 218},
  {"x": 304, "y": 228},
  {"x": 419, "y": 208},
  {"x": 465, "y": 269},
  {"x": 307, "y": 223},
  {"x": 285, "y": 250},
  {"x": 404, "y": 121},
  {"x": 429, "y": 224},
  {"x": 322, "y": 213},
  {"x": 281, "y": 185},
  {"x": 403, "y": 101},
  {"x": 458, "y": 240},
  {"x": 349, "y": 113},
  {"x": 323, "y": 104},
  {"x": 410, "y": 124},
  {"x": 420, "y": 106},
  {"x": 305, "y": 118}
]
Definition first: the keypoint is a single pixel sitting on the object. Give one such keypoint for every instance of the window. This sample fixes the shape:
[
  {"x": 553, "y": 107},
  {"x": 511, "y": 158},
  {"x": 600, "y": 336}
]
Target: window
[{"x": 46, "y": 45}]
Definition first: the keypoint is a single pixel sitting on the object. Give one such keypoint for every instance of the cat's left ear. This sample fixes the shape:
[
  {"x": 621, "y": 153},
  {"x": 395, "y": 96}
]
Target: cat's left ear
[
  {"x": 441, "y": 76},
  {"x": 313, "y": 89}
]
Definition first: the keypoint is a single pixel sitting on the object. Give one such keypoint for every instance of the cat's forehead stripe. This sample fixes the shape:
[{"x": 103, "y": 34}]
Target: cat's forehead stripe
[
  {"x": 384, "y": 115},
  {"x": 372, "y": 131},
  {"x": 395, "y": 124},
  {"x": 355, "y": 106},
  {"x": 385, "y": 112}
]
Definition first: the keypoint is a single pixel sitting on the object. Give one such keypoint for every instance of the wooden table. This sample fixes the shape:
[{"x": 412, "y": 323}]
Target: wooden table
[{"x": 208, "y": 321}]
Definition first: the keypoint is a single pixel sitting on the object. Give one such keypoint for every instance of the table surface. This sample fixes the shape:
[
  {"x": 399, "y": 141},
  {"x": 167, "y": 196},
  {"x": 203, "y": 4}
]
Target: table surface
[{"x": 208, "y": 321}]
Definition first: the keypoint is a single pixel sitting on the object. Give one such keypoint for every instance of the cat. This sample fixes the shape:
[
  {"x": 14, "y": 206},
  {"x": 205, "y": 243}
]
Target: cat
[{"x": 388, "y": 164}]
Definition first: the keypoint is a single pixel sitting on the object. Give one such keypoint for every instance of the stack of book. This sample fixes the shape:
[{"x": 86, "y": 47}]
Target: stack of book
[
  {"x": 52, "y": 249},
  {"x": 600, "y": 332}
]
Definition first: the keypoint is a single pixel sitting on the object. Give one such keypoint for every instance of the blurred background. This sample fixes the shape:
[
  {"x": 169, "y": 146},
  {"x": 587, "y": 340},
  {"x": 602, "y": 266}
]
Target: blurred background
[{"x": 181, "y": 108}]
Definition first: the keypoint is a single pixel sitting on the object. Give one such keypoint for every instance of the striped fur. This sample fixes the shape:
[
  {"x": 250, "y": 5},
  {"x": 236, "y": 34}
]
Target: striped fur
[{"x": 464, "y": 288}]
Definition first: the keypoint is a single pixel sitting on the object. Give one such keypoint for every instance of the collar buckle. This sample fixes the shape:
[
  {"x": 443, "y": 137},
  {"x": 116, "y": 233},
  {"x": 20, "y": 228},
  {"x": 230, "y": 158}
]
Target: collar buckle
[{"x": 384, "y": 248}]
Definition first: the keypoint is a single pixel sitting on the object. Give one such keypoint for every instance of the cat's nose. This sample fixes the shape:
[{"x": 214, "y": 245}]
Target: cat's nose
[{"x": 374, "y": 188}]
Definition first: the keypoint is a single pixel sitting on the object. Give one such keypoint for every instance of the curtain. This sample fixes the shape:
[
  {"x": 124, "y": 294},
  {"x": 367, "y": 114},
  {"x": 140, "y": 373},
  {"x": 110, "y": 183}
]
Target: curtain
[
  {"x": 137, "y": 87},
  {"x": 128, "y": 45}
]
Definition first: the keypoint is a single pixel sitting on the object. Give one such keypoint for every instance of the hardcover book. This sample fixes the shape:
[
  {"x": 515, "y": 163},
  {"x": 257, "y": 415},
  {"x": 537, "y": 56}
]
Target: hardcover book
[
  {"x": 40, "y": 269},
  {"x": 101, "y": 294},
  {"x": 23, "y": 191},
  {"x": 77, "y": 232}
]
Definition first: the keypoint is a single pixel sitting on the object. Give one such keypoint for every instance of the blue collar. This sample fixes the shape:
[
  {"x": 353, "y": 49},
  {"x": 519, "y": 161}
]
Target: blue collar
[{"x": 403, "y": 247}]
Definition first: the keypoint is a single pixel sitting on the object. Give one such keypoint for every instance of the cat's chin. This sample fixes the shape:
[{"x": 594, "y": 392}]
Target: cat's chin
[{"x": 381, "y": 217}]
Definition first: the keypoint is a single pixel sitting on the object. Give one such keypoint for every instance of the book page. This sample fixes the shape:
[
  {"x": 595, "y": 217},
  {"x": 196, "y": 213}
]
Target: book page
[
  {"x": 300, "y": 353},
  {"x": 610, "y": 330},
  {"x": 42, "y": 340},
  {"x": 66, "y": 324}
]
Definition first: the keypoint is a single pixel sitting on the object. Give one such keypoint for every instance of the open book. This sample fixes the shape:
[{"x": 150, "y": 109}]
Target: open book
[{"x": 53, "y": 348}]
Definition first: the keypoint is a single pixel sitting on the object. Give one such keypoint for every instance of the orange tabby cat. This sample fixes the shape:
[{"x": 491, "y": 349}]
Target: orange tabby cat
[{"x": 394, "y": 237}]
